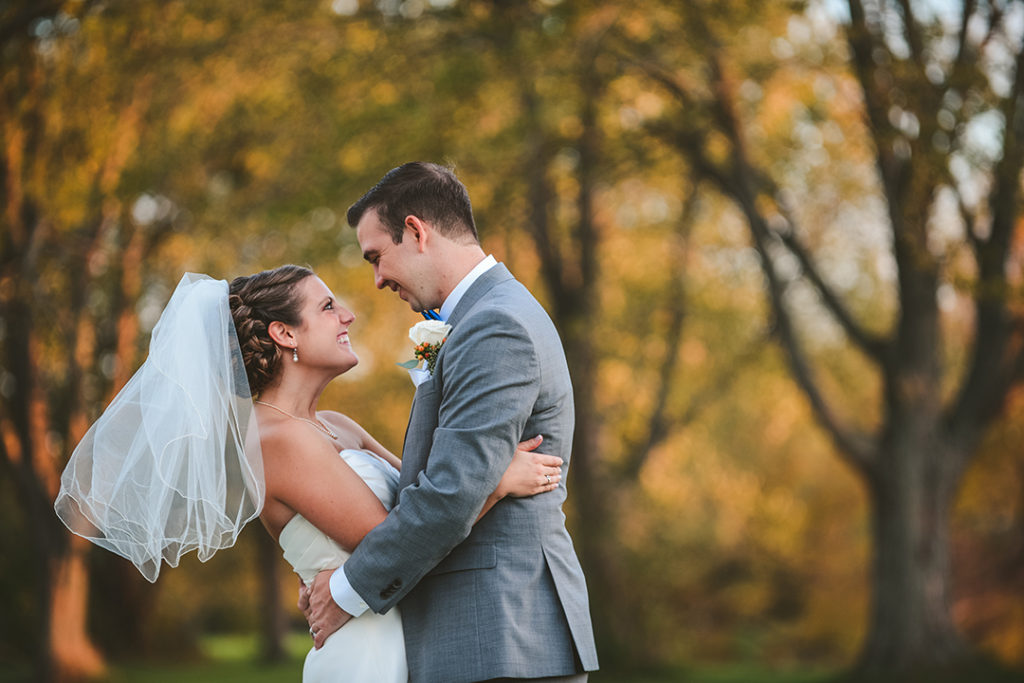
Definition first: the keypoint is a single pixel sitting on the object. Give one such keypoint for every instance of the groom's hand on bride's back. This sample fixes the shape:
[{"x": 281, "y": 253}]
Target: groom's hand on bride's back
[{"x": 322, "y": 613}]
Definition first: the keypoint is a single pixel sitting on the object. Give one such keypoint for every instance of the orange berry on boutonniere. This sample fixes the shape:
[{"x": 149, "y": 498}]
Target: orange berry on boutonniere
[{"x": 428, "y": 337}]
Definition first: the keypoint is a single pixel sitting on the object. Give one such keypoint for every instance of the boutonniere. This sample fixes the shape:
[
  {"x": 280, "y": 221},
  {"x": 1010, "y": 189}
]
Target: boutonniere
[{"x": 428, "y": 336}]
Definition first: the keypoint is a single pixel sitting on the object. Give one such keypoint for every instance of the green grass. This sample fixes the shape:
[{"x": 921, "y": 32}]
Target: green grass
[
  {"x": 227, "y": 659},
  {"x": 714, "y": 674},
  {"x": 245, "y": 647},
  {"x": 240, "y": 671},
  {"x": 221, "y": 672},
  {"x": 235, "y": 659},
  {"x": 232, "y": 670}
]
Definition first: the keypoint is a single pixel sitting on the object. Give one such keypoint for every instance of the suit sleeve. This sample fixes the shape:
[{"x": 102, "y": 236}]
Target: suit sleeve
[{"x": 490, "y": 383}]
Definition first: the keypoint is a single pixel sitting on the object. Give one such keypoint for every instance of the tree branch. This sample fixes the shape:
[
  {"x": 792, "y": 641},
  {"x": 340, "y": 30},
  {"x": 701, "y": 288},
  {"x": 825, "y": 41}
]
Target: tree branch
[
  {"x": 742, "y": 187},
  {"x": 961, "y": 46},
  {"x": 991, "y": 372},
  {"x": 993, "y": 25},
  {"x": 1018, "y": 367},
  {"x": 874, "y": 346},
  {"x": 18, "y": 23},
  {"x": 854, "y": 447},
  {"x": 970, "y": 221},
  {"x": 689, "y": 143},
  {"x": 586, "y": 230},
  {"x": 638, "y": 453},
  {"x": 967, "y": 424},
  {"x": 864, "y": 43},
  {"x": 912, "y": 34},
  {"x": 1008, "y": 169},
  {"x": 539, "y": 197},
  {"x": 737, "y": 182},
  {"x": 686, "y": 140},
  {"x": 657, "y": 73}
]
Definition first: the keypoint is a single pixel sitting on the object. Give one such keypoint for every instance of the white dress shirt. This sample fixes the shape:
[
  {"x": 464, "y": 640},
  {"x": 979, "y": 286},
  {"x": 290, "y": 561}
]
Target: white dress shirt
[{"x": 341, "y": 590}]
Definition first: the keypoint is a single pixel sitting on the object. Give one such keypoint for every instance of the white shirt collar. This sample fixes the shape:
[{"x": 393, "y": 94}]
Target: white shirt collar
[{"x": 456, "y": 295}]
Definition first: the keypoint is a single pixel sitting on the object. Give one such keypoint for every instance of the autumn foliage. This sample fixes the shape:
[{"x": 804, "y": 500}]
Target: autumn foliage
[{"x": 782, "y": 242}]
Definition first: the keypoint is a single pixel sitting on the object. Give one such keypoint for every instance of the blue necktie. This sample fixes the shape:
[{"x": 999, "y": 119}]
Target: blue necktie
[{"x": 431, "y": 314}]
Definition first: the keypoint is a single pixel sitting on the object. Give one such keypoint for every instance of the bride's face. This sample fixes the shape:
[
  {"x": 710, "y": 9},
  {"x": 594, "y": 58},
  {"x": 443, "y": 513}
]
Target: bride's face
[{"x": 323, "y": 336}]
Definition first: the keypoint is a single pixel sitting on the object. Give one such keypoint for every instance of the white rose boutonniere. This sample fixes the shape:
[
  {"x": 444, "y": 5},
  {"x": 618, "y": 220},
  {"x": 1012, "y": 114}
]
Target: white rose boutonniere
[{"x": 428, "y": 336}]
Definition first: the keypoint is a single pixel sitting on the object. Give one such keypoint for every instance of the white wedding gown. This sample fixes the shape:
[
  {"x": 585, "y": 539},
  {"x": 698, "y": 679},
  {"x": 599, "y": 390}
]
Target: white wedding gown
[{"x": 369, "y": 648}]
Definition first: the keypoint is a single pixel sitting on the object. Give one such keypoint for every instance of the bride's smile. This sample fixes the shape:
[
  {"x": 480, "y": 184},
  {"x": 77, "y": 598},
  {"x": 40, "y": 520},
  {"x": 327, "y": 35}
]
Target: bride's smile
[{"x": 323, "y": 315}]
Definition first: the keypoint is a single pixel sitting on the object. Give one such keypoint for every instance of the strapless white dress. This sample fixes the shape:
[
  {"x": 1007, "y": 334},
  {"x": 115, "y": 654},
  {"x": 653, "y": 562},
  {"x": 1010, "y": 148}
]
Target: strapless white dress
[{"x": 371, "y": 647}]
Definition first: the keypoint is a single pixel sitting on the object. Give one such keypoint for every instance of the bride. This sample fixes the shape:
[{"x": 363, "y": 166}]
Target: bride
[{"x": 184, "y": 456}]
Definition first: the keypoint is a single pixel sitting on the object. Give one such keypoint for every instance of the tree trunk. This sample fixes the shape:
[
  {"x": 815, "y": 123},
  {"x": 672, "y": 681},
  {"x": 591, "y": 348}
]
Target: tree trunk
[
  {"x": 272, "y": 622},
  {"x": 594, "y": 526},
  {"x": 43, "y": 662},
  {"x": 72, "y": 651},
  {"x": 66, "y": 651},
  {"x": 911, "y": 626}
]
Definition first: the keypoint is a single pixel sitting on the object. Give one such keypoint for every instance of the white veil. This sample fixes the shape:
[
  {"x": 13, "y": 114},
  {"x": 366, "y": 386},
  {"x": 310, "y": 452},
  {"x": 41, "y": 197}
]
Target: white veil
[{"x": 174, "y": 463}]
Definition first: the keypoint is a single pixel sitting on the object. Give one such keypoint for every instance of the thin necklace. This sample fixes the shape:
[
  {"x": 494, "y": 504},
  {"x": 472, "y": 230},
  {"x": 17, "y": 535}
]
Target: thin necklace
[{"x": 318, "y": 424}]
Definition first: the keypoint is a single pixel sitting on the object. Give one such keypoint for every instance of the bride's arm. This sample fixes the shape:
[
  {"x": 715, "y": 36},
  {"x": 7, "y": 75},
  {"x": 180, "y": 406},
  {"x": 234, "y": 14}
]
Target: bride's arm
[
  {"x": 528, "y": 474},
  {"x": 304, "y": 474}
]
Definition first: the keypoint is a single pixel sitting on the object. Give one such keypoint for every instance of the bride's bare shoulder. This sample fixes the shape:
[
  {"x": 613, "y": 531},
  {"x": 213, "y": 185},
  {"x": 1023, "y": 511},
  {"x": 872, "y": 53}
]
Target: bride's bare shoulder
[
  {"x": 360, "y": 438},
  {"x": 282, "y": 437},
  {"x": 340, "y": 421},
  {"x": 337, "y": 418}
]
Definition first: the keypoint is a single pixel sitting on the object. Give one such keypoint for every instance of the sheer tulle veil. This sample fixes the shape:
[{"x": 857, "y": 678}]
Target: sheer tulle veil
[{"x": 174, "y": 463}]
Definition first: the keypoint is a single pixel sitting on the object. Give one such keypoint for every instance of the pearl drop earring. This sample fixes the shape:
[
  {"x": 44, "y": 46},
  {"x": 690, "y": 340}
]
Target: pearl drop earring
[{"x": 295, "y": 354}]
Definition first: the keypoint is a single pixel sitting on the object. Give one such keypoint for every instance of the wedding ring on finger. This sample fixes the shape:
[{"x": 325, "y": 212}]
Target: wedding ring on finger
[{"x": 548, "y": 477}]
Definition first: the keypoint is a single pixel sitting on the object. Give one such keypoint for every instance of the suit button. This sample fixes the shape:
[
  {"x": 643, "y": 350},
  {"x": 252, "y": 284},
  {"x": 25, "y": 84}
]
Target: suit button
[{"x": 390, "y": 590}]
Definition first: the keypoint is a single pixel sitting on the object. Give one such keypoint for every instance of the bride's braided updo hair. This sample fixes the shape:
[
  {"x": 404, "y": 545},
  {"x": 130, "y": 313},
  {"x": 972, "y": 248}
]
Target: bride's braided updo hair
[{"x": 256, "y": 301}]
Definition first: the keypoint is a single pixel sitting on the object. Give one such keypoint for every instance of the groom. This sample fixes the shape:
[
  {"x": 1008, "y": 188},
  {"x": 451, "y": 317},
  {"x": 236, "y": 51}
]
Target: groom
[{"x": 506, "y": 598}]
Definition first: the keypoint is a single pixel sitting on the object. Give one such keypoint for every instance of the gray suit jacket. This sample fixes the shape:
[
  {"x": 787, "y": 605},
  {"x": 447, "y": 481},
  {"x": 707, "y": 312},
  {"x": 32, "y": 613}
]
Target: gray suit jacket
[{"x": 506, "y": 597}]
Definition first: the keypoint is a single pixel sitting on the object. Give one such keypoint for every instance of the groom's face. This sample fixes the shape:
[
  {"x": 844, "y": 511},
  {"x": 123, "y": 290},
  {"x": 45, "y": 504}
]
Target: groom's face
[{"x": 401, "y": 267}]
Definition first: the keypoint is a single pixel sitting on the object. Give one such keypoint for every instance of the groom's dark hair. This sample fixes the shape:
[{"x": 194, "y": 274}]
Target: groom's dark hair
[{"x": 429, "y": 192}]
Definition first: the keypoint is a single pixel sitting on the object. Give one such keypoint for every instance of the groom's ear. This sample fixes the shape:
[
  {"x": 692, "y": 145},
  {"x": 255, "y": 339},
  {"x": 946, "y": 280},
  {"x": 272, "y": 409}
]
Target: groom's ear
[{"x": 419, "y": 230}]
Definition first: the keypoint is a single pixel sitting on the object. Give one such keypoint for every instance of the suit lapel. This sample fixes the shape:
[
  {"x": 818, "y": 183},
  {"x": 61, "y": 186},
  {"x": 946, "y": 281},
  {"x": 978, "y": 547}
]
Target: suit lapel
[{"x": 419, "y": 430}]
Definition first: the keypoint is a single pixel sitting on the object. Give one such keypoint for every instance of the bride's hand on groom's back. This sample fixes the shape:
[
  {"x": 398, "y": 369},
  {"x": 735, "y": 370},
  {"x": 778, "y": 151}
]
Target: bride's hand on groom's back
[{"x": 530, "y": 472}]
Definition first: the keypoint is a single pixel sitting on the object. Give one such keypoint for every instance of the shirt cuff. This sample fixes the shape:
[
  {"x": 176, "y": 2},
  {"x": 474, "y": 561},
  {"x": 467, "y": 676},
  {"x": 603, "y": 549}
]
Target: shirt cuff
[{"x": 345, "y": 595}]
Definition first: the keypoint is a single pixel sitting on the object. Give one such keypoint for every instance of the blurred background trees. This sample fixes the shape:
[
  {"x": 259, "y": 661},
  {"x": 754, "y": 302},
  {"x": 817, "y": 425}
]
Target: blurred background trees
[
  {"x": 782, "y": 243},
  {"x": 923, "y": 80}
]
